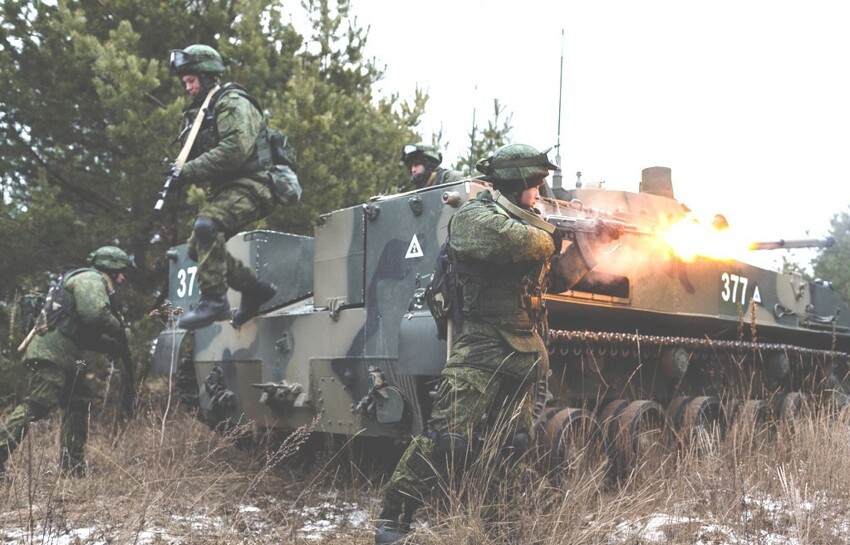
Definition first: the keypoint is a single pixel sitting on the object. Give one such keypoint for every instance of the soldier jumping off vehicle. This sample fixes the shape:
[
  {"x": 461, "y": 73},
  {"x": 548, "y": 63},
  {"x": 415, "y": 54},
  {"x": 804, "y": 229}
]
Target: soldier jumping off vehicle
[
  {"x": 501, "y": 251},
  {"x": 227, "y": 155},
  {"x": 85, "y": 318},
  {"x": 423, "y": 161}
]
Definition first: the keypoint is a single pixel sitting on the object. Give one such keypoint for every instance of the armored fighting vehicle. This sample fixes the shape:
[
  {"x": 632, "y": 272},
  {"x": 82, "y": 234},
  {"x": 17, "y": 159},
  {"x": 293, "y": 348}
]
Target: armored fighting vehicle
[{"x": 645, "y": 342}]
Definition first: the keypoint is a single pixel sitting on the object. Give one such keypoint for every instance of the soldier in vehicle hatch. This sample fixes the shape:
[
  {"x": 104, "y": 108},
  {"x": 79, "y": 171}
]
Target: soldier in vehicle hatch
[
  {"x": 225, "y": 155},
  {"x": 501, "y": 251},
  {"x": 79, "y": 314},
  {"x": 423, "y": 162}
]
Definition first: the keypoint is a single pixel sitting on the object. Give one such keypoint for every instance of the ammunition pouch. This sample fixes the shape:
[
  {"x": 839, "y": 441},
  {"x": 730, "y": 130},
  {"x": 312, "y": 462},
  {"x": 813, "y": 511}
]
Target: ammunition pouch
[{"x": 514, "y": 301}]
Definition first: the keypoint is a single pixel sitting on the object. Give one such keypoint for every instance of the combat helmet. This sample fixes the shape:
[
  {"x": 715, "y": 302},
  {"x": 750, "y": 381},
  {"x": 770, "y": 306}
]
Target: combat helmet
[
  {"x": 421, "y": 153},
  {"x": 110, "y": 259},
  {"x": 515, "y": 167},
  {"x": 196, "y": 59}
]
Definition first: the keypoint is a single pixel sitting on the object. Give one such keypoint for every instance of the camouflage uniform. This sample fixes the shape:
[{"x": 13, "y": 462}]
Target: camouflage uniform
[
  {"x": 430, "y": 158},
  {"x": 224, "y": 156},
  {"x": 431, "y": 178},
  {"x": 498, "y": 353},
  {"x": 58, "y": 376}
]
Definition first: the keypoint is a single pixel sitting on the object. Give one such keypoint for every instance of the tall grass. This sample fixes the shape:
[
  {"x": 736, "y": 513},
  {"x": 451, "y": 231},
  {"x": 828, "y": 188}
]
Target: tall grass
[{"x": 192, "y": 485}]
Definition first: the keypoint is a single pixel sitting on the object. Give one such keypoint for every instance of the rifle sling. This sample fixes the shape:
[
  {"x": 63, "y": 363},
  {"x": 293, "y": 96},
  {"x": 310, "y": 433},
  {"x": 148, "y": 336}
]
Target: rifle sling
[
  {"x": 196, "y": 127},
  {"x": 524, "y": 215}
]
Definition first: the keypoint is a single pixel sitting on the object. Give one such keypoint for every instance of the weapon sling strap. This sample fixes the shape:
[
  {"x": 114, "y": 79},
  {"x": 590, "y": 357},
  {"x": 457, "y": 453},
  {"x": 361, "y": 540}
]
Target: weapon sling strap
[
  {"x": 524, "y": 215},
  {"x": 196, "y": 127}
]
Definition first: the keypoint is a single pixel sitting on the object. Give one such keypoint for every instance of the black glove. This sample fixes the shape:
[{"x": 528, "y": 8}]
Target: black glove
[{"x": 558, "y": 239}]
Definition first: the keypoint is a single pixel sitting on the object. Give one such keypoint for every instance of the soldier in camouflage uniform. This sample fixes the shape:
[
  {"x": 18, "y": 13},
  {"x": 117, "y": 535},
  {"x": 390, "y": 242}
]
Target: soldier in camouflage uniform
[
  {"x": 499, "y": 354},
  {"x": 423, "y": 161},
  {"x": 88, "y": 320},
  {"x": 225, "y": 157}
]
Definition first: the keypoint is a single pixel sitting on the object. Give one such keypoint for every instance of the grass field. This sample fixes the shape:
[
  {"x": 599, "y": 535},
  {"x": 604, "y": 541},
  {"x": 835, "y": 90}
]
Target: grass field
[{"x": 165, "y": 477}]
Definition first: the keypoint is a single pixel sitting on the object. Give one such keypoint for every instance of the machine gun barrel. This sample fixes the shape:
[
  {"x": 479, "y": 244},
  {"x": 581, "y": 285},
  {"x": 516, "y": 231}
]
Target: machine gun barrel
[{"x": 783, "y": 244}]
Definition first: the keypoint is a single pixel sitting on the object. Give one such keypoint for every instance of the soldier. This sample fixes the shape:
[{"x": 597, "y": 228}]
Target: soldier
[
  {"x": 501, "y": 255},
  {"x": 86, "y": 318},
  {"x": 225, "y": 156},
  {"x": 423, "y": 161}
]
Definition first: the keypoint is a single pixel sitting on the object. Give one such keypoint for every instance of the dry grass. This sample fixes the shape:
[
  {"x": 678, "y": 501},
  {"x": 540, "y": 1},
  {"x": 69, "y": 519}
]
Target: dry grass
[{"x": 191, "y": 485}]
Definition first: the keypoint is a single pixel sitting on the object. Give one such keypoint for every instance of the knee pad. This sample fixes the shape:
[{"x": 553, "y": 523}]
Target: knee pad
[
  {"x": 206, "y": 230},
  {"x": 450, "y": 447}
]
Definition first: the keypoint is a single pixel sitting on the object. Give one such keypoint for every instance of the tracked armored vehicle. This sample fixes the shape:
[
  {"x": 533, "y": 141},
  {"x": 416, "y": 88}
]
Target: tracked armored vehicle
[{"x": 644, "y": 343}]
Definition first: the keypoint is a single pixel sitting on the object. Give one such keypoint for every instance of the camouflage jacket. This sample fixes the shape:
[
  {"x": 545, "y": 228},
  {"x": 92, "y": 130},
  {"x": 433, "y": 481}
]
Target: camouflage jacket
[
  {"x": 98, "y": 326},
  {"x": 225, "y": 148},
  {"x": 445, "y": 176},
  {"x": 502, "y": 305}
]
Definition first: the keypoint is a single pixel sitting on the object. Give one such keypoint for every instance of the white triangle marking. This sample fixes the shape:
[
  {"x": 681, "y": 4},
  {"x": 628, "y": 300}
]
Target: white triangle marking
[{"x": 415, "y": 249}]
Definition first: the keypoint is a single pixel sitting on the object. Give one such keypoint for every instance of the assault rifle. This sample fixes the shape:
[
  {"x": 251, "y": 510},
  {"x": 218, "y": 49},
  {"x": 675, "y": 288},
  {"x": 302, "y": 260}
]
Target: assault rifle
[
  {"x": 585, "y": 232},
  {"x": 599, "y": 229}
]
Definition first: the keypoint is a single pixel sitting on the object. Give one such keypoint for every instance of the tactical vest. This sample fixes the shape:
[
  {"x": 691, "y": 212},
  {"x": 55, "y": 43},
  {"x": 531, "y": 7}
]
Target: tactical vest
[
  {"x": 509, "y": 295},
  {"x": 272, "y": 147}
]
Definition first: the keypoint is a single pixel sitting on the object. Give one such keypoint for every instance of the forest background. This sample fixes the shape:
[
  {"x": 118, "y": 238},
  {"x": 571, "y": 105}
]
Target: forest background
[{"x": 89, "y": 113}]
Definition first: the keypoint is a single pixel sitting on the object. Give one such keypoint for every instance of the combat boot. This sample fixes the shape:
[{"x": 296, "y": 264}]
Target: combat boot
[
  {"x": 211, "y": 308},
  {"x": 252, "y": 298},
  {"x": 391, "y": 531}
]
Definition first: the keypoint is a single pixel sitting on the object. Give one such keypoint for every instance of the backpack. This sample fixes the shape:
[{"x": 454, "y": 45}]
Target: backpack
[
  {"x": 274, "y": 152},
  {"x": 57, "y": 309}
]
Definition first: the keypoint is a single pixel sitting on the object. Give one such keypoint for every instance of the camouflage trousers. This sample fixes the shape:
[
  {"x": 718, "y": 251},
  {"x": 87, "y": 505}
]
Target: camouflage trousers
[
  {"x": 52, "y": 385},
  {"x": 233, "y": 207},
  {"x": 487, "y": 409}
]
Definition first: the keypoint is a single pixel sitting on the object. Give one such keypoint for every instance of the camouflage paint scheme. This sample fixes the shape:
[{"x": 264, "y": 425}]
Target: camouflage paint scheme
[{"x": 349, "y": 341}]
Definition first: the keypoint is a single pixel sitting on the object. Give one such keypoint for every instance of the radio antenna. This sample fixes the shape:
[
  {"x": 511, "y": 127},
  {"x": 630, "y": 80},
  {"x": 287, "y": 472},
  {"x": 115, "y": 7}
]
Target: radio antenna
[{"x": 557, "y": 178}]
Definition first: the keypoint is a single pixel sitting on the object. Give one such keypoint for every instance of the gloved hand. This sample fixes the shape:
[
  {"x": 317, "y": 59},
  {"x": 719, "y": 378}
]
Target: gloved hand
[
  {"x": 173, "y": 173},
  {"x": 558, "y": 239}
]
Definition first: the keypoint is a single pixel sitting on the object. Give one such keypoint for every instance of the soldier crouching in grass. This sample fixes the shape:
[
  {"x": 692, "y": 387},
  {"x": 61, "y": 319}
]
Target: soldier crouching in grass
[
  {"x": 78, "y": 315},
  {"x": 501, "y": 251}
]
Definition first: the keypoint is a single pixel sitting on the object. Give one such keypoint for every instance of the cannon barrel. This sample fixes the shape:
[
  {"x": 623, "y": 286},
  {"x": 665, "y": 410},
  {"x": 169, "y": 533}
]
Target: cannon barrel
[{"x": 790, "y": 244}]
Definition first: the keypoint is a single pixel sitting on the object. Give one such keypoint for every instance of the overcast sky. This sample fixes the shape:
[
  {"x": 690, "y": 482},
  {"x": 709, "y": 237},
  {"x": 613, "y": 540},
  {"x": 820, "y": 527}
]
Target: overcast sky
[{"x": 748, "y": 101}]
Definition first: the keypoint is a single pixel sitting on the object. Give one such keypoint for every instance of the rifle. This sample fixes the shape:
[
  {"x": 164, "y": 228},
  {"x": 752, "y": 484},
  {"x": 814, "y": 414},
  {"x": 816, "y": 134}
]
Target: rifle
[
  {"x": 600, "y": 229},
  {"x": 177, "y": 166},
  {"x": 570, "y": 265}
]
